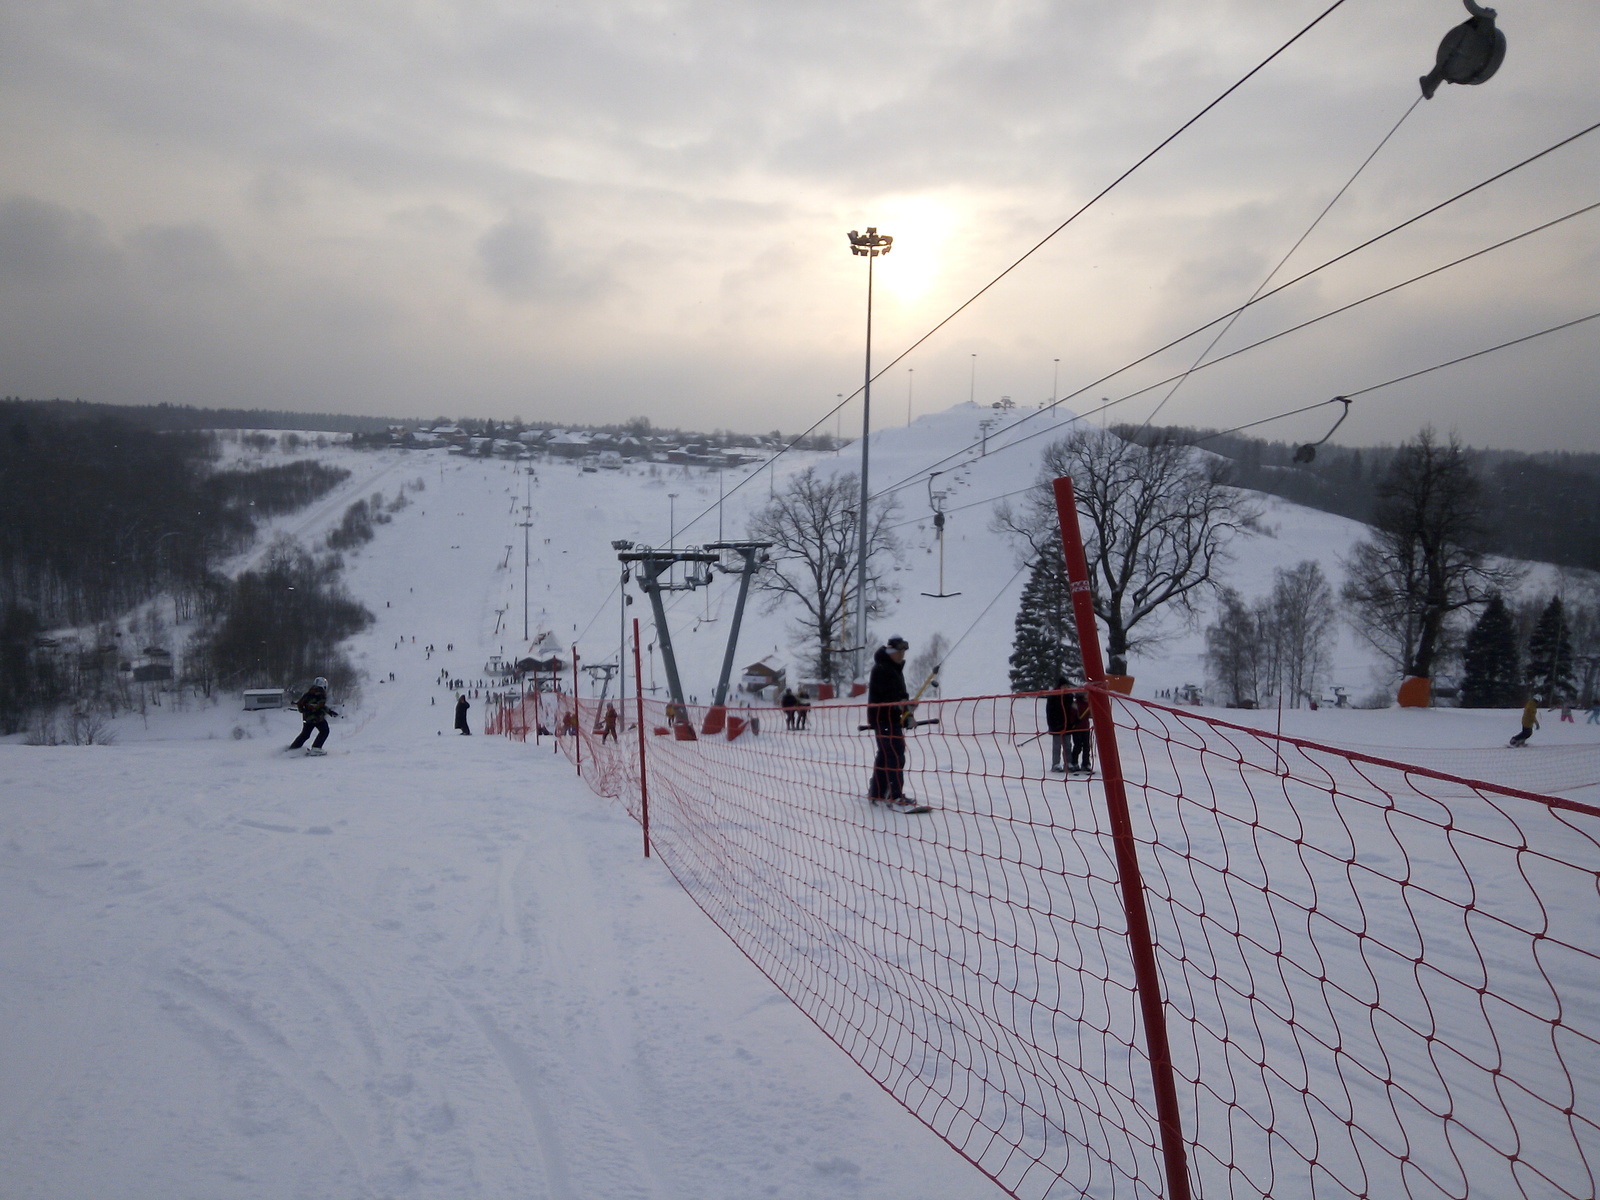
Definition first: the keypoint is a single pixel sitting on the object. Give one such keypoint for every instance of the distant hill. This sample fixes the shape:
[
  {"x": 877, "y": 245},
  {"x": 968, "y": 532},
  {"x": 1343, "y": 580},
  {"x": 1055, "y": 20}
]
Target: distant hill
[
  {"x": 183, "y": 417},
  {"x": 1543, "y": 507}
]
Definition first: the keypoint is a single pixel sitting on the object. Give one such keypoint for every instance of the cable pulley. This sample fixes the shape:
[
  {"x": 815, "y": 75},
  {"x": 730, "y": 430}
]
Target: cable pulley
[
  {"x": 1470, "y": 53},
  {"x": 1308, "y": 452}
]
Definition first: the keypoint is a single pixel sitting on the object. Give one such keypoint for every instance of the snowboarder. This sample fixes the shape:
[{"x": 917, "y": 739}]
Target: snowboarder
[
  {"x": 1055, "y": 722},
  {"x": 314, "y": 711},
  {"x": 609, "y": 730},
  {"x": 1530, "y": 721},
  {"x": 888, "y": 711},
  {"x": 462, "y": 704}
]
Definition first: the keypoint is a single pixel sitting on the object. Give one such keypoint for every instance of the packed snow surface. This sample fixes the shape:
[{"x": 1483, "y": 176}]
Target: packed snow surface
[{"x": 439, "y": 966}]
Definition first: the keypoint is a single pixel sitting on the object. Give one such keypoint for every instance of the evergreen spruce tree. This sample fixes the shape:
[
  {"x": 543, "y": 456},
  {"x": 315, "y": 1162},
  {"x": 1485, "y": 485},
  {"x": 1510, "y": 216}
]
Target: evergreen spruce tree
[
  {"x": 1550, "y": 654},
  {"x": 1492, "y": 677},
  {"x": 1046, "y": 643}
]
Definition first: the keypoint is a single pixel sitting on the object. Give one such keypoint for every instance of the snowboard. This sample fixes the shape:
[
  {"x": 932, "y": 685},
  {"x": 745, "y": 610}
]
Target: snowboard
[{"x": 919, "y": 808}]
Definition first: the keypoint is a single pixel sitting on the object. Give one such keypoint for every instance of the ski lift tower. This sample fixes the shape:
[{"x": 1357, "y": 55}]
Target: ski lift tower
[
  {"x": 752, "y": 555},
  {"x": 652, "y": 565}
]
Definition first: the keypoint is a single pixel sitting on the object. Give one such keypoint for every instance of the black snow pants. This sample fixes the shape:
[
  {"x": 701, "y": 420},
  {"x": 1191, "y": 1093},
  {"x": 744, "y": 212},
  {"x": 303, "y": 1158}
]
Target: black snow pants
[
  {"x": 888, "y": 768},
  {"x": 320, "y": 724}
]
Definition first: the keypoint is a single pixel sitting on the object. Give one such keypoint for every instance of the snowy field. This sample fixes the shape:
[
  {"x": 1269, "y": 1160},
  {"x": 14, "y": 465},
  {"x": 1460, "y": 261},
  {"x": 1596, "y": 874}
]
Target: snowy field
[{"x": 436, "y": 966}]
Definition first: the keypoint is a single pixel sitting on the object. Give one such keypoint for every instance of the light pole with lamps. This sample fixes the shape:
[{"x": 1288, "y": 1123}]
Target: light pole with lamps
[
  {"x": 972, "y": 386},
  {"x": 911, "y": 386},
  {"x": 867, "y": 245}
]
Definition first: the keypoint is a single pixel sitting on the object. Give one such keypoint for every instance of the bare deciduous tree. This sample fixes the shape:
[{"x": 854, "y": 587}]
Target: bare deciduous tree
[
  {"x": 811, "y": 524},
  {"x": 1239, "y": 652},
  {"x": 1160, "y": 517},
  {"x": 1422, "y": 564},
  {"x": 1301, "y": 613}
]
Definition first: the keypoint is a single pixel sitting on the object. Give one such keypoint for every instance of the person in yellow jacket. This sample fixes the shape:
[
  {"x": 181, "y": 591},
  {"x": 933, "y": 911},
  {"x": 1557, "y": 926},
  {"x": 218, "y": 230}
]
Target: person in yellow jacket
[{"x": 1530, "y": 721}]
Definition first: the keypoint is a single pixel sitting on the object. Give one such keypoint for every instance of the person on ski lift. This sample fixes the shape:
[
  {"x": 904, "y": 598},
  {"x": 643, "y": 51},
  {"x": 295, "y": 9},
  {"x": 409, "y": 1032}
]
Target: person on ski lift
[
  {"x": 1055, "y": 721},
  {"x": 888, "y": 711},
  {"x": 314, "y": 711}
]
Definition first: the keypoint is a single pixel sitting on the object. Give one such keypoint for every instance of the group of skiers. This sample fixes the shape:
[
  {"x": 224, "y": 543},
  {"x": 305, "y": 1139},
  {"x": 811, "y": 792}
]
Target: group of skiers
[
  {"x": 1530, "y": 718},
  {"x": 796, "y": 709},
  {"x": 891, "y": 711},
  {"x": 1066, "y": 719}
]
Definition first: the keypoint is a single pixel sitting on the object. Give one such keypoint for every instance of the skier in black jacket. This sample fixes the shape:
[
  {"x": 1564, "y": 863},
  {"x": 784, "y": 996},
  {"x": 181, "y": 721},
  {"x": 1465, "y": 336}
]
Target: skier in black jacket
[
  {"x": 314, "y": 711},
  {"x": 1055, "y": 721},
  {"x": 887, "y": 713}
]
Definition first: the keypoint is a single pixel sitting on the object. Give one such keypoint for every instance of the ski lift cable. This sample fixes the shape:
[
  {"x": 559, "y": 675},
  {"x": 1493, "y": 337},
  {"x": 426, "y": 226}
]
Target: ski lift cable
[
  {"x": 1294, "y": 412},
  {"x": 1348, "y": 396},
  {"x": 599, "y": 610},
  {"x": 1300, "y": 241},
  {"x": 1588, "y": 208},
  {"x": 973, "y": 445},
  {"x": 1161, "y": 145},
  {"x": 1004, "y": 588}
]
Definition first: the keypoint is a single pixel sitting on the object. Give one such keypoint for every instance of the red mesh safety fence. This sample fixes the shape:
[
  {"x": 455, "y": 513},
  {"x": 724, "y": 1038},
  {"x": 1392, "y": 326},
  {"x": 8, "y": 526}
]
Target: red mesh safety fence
[{"x": 1379, "y": 980}]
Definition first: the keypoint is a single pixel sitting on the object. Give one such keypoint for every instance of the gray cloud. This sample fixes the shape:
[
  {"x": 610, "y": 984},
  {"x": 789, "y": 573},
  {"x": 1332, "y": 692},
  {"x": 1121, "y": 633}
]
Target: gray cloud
[{"x": 623, "y": 207}]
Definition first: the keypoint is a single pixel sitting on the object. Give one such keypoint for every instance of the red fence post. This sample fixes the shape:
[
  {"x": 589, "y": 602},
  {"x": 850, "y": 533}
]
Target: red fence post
[
  {"x": 1147, "y": 979},
  {"x": 577, "y": 717},
  {"x": 638, "y": 696}
]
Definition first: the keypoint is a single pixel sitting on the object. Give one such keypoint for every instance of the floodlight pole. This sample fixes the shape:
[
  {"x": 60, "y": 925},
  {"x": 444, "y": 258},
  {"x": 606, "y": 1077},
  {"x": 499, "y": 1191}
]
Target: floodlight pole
[{"x": 868, "y": 245}]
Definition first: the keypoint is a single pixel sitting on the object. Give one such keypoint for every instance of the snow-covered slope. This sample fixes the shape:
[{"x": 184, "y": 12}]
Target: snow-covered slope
[{"x": 438, "y": 966}]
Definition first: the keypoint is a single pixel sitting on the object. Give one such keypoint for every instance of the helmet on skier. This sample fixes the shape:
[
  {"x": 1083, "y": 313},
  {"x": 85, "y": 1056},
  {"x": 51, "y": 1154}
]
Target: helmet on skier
[{"x": 321, "y": 682}]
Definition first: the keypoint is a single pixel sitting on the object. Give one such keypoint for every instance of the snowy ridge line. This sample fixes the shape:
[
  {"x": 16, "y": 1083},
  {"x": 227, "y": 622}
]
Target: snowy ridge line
[{"x": 1378, "y": 978}]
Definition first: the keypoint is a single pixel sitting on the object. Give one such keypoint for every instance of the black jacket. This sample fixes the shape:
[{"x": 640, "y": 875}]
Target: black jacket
[
  {"x": 1055, "y": 712},
  {"x": 886, "y": 688},
  {"x": 313, "y": 705}
]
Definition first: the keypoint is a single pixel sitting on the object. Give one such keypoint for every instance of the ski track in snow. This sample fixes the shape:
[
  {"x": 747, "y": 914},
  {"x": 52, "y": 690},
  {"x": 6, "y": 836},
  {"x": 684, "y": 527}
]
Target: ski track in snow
[{"x": 435, "y": 966}]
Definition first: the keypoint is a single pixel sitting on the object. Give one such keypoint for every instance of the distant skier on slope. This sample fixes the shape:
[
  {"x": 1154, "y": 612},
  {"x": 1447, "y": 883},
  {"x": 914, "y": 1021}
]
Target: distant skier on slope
[
  {"x": 314, "y": 711},
  {"x": 462, "y": 704},
  {"x": 1530, "y": 721}
]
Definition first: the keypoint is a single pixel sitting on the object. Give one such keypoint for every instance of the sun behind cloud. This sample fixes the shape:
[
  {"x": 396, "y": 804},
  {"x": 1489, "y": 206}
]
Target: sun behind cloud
[{"x": 923, "y": 227}]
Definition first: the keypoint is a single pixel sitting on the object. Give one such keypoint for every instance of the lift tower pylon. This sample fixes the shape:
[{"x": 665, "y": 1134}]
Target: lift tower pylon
[{"x": 652, "y": 565}]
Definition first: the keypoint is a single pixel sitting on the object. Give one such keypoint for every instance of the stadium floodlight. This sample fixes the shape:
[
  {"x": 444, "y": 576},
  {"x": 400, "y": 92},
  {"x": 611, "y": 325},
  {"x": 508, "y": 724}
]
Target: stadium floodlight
[{"x": 867, "y": 245}]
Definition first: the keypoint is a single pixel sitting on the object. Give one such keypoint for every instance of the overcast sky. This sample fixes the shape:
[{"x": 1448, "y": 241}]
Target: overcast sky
[{"x": 601, "y": 210}]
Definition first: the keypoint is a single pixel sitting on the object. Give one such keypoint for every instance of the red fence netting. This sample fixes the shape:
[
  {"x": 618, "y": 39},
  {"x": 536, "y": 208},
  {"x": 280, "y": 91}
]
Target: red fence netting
[{"x": 1379, "y": 980}]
